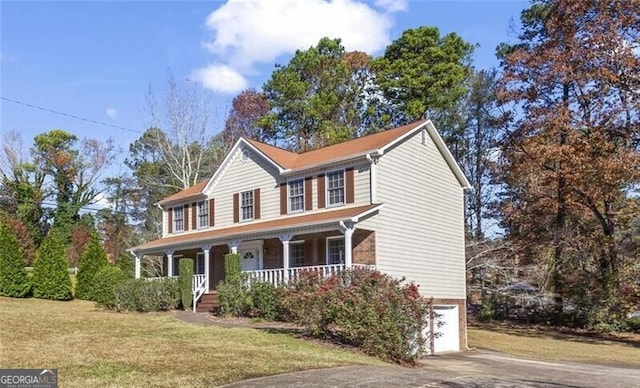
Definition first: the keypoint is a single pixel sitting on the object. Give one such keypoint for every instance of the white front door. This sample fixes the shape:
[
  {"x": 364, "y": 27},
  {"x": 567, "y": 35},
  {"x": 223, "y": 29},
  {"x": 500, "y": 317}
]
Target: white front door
[
  {"x": 251, "y": 255},
  {"x": 250, "y": 259}
]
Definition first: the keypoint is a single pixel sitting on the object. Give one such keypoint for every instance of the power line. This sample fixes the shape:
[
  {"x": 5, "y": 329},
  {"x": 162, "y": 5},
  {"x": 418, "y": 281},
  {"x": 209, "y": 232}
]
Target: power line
[{"x": 68, "y": 115}]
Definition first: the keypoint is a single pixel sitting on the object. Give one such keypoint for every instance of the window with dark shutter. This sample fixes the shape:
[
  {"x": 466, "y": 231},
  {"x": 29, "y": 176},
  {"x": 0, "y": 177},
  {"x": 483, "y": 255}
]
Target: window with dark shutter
[
  {"x": 308, "y": 197},
  {"x": 321, "y": 192},
  {"x": 211, "y": 212},
  {"x": 194, "y": 217},
  {"x": 283, "y": 198},
  {"x": 256, "y": 204},
  {"x": 186, "y": 217},
  {"x": 170, "y": 220},
  {"x": 236, "y": 207},
  {"x": 350, "y": 186}
]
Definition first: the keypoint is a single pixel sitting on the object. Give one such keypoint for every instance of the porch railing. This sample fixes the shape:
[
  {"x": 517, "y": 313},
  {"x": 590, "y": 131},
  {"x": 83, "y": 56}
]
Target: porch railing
[
  {"x": 279, "y": 276},
  {"x": 199, "y": 287}
]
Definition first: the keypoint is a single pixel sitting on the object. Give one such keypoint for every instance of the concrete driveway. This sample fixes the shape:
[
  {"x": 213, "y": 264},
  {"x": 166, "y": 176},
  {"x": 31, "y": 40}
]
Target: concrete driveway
[{"x": 468, "y": 369}]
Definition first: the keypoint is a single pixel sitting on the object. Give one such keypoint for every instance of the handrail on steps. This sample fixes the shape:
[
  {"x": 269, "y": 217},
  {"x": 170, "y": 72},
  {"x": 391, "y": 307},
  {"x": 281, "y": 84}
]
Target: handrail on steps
[{"x": 199, "y": 287}]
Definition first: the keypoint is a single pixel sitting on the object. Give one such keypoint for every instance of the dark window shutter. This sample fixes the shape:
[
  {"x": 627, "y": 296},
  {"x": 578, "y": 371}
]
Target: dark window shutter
[
  {"x": 321, "y": 191},
  {"x": 170, "y": 223},
  {"x": 308, "y": 196},
  {"x": 236, "y": 207},
  {"x": 212, "y": 213},
  {"x": 194, "y": 216},
  {"x": 349, "y": 191},
  {"x": 185, "y": 215},
  {"x": 256, "y": 204},
  {"x": 283, "y": 198}
]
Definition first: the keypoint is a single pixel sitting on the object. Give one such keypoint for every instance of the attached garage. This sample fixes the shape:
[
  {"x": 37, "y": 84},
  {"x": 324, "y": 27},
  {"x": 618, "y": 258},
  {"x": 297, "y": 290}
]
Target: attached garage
[{"x": 448, "y": 337}]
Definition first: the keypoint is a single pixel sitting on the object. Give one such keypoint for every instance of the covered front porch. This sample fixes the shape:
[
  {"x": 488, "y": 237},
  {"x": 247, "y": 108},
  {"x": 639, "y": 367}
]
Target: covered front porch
[{"x": 273, "y": 259}]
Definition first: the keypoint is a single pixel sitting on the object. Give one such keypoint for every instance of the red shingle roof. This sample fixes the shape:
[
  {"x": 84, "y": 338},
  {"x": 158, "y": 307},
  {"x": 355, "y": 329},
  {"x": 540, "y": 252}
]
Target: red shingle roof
[
  {"x": 340, "y": 214},
  {"x": 291, "y": 160},
  {"x": 186, "y": 193}
]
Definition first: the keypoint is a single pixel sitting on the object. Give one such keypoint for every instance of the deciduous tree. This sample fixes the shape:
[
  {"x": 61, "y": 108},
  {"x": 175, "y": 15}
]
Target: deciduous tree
[{"x": 572, "y": 159}]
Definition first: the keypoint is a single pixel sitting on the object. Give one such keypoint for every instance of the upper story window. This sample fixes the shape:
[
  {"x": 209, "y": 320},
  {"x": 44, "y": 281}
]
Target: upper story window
[
  {"x": 203, "y": 214},
  {"x": 246, "y": 205},
  {"x": 296, "y": 196},
  {"x": 178, "y": 219},
  {"x": 335, "y": 188},
  {"x": 296, "y": 254}
]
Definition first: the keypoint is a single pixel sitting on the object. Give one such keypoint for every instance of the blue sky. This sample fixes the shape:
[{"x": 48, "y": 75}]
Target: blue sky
[{"x": 97, "y": 59}]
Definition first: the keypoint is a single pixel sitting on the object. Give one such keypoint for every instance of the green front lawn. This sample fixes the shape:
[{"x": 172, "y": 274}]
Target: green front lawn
[
  {"x": 554, "y": 344},
  {"x": 99, "y": 348}
]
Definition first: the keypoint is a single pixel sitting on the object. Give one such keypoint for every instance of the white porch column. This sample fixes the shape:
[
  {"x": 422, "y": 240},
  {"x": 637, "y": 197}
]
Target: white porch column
[
  {"x": 347, "y": 229},
  {"x": 205, "y": 249},
  {"x": 233, "y": 245},
  {"x": 169, "y": 262},
  {"x": 285, "y": 239},
  {"x": 137, "y": 259}
]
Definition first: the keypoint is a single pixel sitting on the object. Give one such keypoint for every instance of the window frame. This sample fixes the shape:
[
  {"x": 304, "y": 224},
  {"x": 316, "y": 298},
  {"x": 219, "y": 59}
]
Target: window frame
[
  {"x": 202, "y": 214},
  {"x": 328, "y": 189},
  {"x": 297, "y": 243},
  {"x": 241, "y": 206},
  {"x": 289, "y": 196},
  {"x": 199, "y": 259},
  {"x": 328, "y": 240},
  {"x": 176, "y": 219}
]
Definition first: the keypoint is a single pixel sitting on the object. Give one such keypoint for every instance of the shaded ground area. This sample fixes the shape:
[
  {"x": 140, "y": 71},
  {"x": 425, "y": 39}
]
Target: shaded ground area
[{"x": 469, "y": 369}]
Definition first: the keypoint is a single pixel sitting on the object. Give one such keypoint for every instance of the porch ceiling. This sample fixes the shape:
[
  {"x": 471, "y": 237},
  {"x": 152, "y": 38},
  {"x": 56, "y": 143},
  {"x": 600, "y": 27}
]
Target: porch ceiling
[{"x": 305, "y": 222}]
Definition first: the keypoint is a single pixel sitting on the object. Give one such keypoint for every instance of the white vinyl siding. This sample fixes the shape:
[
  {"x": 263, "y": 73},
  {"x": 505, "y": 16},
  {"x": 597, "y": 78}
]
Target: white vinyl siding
[
  {"x": 420, "y": 230},
  {"x": 251, "y": 174},
  {"x": 361, "y": 184}
]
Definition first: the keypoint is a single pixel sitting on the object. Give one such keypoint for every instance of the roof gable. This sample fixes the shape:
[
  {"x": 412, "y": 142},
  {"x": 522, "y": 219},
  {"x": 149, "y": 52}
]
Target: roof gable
[{"x": 286, "y": 161}]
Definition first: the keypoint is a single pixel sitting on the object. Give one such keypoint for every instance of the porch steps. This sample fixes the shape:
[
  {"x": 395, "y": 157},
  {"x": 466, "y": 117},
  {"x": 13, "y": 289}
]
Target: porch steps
[{"x": 208, "y": 302}]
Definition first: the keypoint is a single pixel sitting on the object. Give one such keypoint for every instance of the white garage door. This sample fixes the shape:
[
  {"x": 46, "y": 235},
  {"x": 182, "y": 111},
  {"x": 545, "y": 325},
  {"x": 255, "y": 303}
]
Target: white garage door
[{"x": 448, "y": 339}]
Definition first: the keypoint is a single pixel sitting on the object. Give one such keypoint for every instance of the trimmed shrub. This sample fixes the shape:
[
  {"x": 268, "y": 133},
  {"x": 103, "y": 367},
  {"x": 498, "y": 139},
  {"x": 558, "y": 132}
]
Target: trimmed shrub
[
  {"x": 50, "y": 274},
  {"x": 13, "y": 276},
  {"x": 144, "y": 296},
  {"x": 186, "y": 282},
  {"x": 233, "y": 295},
  {"x": 106, "y": 282},
  {"x": 264, "y": 299},
  {"x": 92, "y": 261},
  {"x": 232, "y": 265},
  {"x": 362, "y": 308}
]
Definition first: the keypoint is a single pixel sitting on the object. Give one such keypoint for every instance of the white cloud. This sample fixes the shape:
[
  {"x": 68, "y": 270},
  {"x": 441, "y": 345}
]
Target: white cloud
[
  {"x": 252, "y": 32},
  {"x": 112, "y": 113},
  {"x": 392, "y": 5},
  {"x": 220, "y": 77}
]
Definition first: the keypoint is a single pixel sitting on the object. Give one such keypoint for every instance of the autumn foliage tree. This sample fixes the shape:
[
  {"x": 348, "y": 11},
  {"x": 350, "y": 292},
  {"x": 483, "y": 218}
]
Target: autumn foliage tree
[
  {"x": 247, "y": 108},
  {"x": 572, "y": 160}
]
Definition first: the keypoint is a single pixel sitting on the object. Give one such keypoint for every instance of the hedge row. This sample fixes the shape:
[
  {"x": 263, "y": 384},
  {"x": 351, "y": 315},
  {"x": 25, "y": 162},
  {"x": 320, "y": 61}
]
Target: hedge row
[{"x": 357, "y": 307}]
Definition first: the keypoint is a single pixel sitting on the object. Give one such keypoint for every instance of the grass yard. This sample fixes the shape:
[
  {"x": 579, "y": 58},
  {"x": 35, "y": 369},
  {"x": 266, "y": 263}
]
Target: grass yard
[
  {"x": 550, "y": 344},
  {"x": 99, "y": 348}
]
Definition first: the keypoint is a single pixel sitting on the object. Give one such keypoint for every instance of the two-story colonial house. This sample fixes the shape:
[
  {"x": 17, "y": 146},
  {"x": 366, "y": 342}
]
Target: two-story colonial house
[{"x": 392, "y": 200}]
